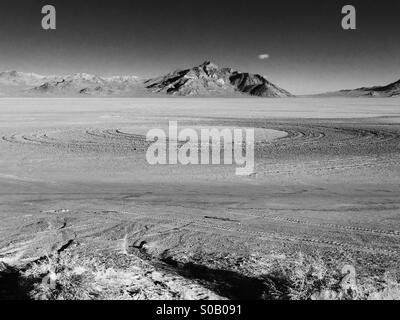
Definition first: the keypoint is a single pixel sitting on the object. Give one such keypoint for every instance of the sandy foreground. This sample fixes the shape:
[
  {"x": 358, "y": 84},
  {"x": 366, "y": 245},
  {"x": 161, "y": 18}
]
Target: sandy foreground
[{"x": 84, "y": 216}]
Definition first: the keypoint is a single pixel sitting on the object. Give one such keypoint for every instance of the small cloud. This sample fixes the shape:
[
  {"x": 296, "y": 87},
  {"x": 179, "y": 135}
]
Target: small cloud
[{"x": 263, "y": 56}]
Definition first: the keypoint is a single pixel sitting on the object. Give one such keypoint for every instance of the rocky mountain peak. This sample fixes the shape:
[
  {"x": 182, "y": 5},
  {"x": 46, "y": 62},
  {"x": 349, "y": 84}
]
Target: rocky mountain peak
[
  {"x": 208, "y": 79},
  {"x": 209, "y": 65}
]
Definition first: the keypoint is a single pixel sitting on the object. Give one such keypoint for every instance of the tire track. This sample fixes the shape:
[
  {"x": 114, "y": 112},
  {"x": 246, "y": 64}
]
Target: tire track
[
  {"x": 394, "y": 233},
  {"x": 273, "y": 236},
  {"x": 299, "y": 136},
  {"x": 110, "y": 140}
]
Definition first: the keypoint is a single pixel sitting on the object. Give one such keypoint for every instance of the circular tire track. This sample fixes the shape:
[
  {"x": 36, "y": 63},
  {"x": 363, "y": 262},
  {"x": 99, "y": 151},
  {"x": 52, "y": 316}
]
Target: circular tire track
[
  {"x": 110, "y": 140},
  {"x": 305, "y": 137},
  {"x": 322, "y": 133}
]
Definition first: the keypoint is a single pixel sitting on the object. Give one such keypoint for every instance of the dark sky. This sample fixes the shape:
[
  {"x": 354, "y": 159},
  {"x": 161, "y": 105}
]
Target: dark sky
[{"x": 308, "y": 50}]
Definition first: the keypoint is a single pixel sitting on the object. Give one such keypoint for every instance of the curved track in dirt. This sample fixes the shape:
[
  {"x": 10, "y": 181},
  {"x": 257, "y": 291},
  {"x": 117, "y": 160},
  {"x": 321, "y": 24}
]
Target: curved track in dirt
[
  {"x": 94, "y": 140},
  {"x": 303, "y": 138}
]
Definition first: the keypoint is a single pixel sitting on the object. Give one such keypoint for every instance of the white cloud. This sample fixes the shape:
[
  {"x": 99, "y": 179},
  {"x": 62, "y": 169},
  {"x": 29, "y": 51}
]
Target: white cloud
[{"x": 263, "y": 56}]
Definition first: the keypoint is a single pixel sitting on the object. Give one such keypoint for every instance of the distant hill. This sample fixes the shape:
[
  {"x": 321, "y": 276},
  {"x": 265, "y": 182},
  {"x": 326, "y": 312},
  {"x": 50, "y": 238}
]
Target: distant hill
[
  {"x": 208, "y": 79},
  {"x": 390, "y": 90},
  {"x": 87, "y": 84},
  {"x": 16, "y": 78},
  {"x": 13, "y": 83}
]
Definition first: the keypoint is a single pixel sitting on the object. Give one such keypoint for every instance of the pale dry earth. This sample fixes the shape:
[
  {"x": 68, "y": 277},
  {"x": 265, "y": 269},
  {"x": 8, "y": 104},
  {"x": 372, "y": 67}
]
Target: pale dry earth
[{"x": 74, "y": 178}]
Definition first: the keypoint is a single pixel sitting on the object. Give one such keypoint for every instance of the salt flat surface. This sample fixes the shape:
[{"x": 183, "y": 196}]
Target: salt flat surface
[
  {"x": 211, "y": 107},
  {"x": 326, "y": 180}
]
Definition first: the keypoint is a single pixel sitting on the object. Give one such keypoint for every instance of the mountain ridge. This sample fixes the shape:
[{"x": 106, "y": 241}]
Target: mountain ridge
[
  {"x": 15, "y": 83},
  {"x": 209, "y": 79},
  {"x": 389, "y": 90},
  {"x": 206, "y": 79}
]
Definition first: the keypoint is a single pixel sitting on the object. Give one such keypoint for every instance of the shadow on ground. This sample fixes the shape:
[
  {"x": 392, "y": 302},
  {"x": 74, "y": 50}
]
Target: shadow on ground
[
  {"x": 12, "y": 285},
  {"x": 230, "y": 284}
]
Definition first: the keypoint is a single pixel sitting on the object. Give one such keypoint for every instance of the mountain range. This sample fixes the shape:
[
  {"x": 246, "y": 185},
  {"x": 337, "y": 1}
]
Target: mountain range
[
  {"x": 205, "y": 80},
  {"x": 390, "y": 90},
  {"x": 14, "y": 83}
]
